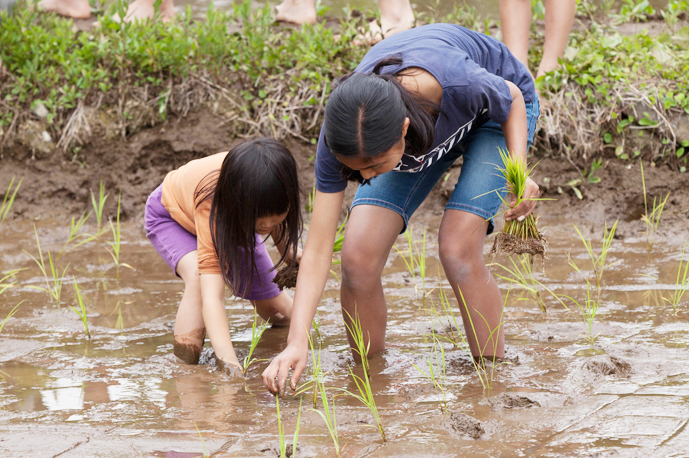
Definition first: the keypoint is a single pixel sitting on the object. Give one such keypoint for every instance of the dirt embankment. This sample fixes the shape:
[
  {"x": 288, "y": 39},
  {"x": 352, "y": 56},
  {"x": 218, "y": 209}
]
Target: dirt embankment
[{"x": 54, "y": 186}]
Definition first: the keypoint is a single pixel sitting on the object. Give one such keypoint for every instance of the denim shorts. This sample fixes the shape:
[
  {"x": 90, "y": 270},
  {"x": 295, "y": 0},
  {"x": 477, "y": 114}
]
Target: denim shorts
[{"x": 403, "y": 192}]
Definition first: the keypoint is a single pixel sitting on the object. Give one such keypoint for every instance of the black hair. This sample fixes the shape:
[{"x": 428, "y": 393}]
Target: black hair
[
  {"x": 257, "y": 179},
  {"x": 365, "y": 114}
]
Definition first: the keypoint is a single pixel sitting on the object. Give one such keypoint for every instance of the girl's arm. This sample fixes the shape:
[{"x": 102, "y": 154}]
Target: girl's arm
[
  {"x": 215, "y": 317},
  {"x": 516, "y": 134},
  {"x": 275, "y": 235},
  {"x": 313, "y": 273}
]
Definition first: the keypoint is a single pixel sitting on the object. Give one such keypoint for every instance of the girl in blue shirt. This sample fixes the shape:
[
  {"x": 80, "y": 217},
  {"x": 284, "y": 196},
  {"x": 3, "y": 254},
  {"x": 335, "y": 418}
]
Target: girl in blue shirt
[{"x": 417, "y": 102}]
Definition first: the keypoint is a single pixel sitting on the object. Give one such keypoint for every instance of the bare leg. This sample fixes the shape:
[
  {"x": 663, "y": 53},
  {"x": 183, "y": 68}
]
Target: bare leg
[
  {"x": 559, "y": 17},
  {"x": 77, "y": 9},
  {"x": 190, "y": 330},
  {"x": 277, "y": 309},
  {"x": 296, "y": 11},
  {"x": 461, "y": 240},
  {"x": 371, "y": 231},
  {"x": 515, "y": 19},
  {"x": 144, "y": 9}
]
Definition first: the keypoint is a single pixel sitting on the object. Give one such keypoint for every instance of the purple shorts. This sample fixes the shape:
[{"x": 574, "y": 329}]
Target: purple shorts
[{"x": 172, "y": 242}]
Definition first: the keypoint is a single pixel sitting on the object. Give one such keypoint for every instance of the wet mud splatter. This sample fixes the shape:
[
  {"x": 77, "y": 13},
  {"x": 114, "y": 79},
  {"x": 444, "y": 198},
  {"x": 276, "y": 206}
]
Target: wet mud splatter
[{"x": 187, "y": 347}]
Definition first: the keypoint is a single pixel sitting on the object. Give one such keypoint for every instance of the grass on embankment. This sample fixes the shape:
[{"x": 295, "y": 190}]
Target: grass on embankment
[{"x": 624, "y": 95}]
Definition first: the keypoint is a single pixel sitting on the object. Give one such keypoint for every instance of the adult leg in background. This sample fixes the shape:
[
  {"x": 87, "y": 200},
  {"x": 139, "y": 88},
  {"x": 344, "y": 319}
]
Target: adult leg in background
[
  {"x": 371, "y": 232},
  {"x": 190, "y": 330}
]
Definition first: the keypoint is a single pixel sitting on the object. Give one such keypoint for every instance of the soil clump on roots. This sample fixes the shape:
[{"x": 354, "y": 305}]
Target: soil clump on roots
[
  {"x": 286, "y": 278},
  {"x": 511, "y": 244}
]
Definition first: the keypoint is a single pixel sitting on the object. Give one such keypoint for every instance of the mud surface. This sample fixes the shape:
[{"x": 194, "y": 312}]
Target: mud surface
[{"x": 124, "y": 393}]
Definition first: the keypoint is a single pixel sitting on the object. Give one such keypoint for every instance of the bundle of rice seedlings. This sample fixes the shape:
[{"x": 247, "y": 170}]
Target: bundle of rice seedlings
[{"x": 518, "y": 237}]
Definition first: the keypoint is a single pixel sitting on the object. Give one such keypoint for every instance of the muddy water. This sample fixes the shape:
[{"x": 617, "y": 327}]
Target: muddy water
[{"x": 123, "y": 393}]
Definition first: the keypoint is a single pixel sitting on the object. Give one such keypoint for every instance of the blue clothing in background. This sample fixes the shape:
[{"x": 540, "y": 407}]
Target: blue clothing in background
[{"x": 471, "y": 67}]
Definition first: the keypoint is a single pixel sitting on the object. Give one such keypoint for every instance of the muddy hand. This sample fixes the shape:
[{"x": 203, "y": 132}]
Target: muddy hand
[
  {"x": 527, "y": 205},
  {"x": 234, "y": 370},
  {"x": 275, "y": 375}
]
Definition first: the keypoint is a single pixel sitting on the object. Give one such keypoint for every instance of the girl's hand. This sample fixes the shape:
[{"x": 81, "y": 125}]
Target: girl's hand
[
  {"x": 288, "y": 257},
  {"x": 526, "y": 206},
  {"x": 231, "y": 368},
  {"x": 293, "y": 357}
]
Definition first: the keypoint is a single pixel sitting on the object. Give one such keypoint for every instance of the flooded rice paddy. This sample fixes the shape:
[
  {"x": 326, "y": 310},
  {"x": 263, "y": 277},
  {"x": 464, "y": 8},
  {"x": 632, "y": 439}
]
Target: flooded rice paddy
[{"x": 123, "y": 393}]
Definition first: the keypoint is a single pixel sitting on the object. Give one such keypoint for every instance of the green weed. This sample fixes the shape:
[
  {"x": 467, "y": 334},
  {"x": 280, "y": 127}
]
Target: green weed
[
  {"x": 681, "y": 283},
  {"x": 81, "y": 311},
  {"x": 8, "y": 200},
  {"x": 256, "y": 334},
  {"x": 53, "y": 282},
  {"x": 598, "y": 261},
  {"x": 652, "y": 220},
  {"x": 585, "y": 178},
  {"x": 363, "y": 384}
]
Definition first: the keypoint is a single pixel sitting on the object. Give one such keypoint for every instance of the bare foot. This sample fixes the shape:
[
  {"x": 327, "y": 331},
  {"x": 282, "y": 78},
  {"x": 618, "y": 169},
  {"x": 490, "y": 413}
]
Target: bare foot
[
  {"x": 141, "y": 10},
  {"x": 296, "y": 12},
  {"x": 390, "y": 24},
  {"x": 77, "y": 9}
]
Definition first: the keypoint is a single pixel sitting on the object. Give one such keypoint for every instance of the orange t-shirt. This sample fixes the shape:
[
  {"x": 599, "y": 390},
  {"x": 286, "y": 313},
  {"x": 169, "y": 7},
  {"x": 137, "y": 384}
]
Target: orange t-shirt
[{"x": 179, "y": 188}]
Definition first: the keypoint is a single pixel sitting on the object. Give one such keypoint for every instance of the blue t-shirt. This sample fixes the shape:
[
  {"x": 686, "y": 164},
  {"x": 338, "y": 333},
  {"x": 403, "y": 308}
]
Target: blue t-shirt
[{"x": 471, "y": 68}]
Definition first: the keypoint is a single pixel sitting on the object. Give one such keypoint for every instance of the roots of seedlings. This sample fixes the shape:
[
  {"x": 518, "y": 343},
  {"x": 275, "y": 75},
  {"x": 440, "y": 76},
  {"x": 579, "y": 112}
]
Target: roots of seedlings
[
  {"x": 510, "y": 244},
  {"x": 285, "y": 279}
]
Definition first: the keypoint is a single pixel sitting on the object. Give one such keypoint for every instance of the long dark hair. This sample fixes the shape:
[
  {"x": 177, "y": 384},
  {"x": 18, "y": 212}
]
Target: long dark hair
[
  {"x": 365, "y": 114},
  {"x": 257, "y": 179}
]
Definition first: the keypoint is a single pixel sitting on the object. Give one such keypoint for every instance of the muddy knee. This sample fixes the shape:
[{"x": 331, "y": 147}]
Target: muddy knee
[{"x": 188, "y": 347}]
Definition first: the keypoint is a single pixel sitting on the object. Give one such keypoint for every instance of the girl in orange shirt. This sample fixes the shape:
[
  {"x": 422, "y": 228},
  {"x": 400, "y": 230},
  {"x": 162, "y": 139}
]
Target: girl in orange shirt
[{"x": 208, "y": 221}]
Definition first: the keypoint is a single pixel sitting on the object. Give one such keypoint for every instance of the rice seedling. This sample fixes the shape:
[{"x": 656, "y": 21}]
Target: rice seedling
[
  {"x": 652, "y": 219},
  {"x": 53, "y": 282},
  {"x": 316, "y": 324},
  {"x": 203, "y": 444},
  {"x": 363, "y": 384},
  {"x": 328, "y": 415},
  {"x": 75, "y": 234},
  {"x": 98, "y": 205},
  {"x": 81, "y": 311},
  {"x": 456, "y": 338},
  {"x": 518, "y": 237},
  {"x": 588, "y": 309},
  {"x": 681, "y": 283},
  {"x": 436, "y": 370},
  {"x": 522, "y": 276},
  {"x": 8, "y": 200},
  {"x": 597, "y": 260},
  {"x": 308, "y": 206},
  {"x": 256, "y": 334},
  {"x": 281, "y": 431},
  {"x": 315, "y": 373},
  {"x": 421, "y": 262},
  {"x": 409, "y": 262},
  {"x": 116, "y": 241},
  {"x": 9, "y": 315},
  {"x": 4, "y": 284},
  {"x": 485, "y": 376}
]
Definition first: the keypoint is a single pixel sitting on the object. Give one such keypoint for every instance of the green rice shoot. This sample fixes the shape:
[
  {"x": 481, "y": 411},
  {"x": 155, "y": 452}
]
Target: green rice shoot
[
  {"x": 9, "y": 315},
  {"x": 589, "y": 309},
  {"x": 256, "y": 334},
  {"x": 8, "y": 200},
  {"x": 53, "y": 282},
  {"x": 81, "y": 311},
  {"x": 681, "y": 283},
  {"x": 652, "y": 219}
]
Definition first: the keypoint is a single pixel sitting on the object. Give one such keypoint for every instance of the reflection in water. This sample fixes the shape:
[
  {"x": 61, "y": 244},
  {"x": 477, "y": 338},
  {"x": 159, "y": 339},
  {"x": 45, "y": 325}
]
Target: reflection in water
[{"x": 64, "y": 394}]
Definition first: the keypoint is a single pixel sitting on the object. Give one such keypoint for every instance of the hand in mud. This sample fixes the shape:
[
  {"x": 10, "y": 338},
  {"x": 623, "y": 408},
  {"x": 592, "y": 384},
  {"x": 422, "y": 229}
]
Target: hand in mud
[
  {"x": 527, "y": 206},
  {"x": 234, "y": 370},
  {"x": 293, "y": 357}
]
